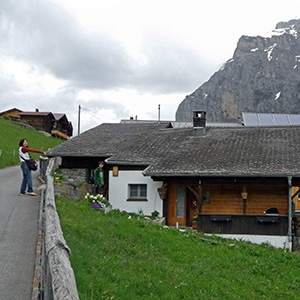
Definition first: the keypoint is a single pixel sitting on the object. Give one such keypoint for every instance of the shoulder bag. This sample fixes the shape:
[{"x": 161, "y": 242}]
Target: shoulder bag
[{"x": 31, "y": 163}]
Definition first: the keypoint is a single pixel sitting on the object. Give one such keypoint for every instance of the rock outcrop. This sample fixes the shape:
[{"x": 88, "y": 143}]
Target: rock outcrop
[{"x": 263, "y": 76}]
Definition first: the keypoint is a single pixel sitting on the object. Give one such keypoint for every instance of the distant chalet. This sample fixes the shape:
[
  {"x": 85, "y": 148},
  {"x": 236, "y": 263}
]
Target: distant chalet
[
  {"x": 53, "y": 123},
  {"x": 56, "y": 124}
]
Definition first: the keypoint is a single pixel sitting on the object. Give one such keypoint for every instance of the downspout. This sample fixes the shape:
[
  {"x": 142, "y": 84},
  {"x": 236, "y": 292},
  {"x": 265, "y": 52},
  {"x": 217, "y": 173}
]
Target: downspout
[{"x": 290, "y": 213}]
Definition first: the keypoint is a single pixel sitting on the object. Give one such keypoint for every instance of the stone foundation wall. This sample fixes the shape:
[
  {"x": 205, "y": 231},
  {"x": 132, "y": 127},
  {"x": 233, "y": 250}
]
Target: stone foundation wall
[
  {"x": 75, "y": 175},
  {"x": 72, "y": 192},
  {"x": 75, "y": 191}
]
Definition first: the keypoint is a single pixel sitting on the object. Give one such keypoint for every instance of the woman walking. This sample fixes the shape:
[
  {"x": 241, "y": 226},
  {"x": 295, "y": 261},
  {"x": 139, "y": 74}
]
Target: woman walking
[{"x": 27, "y": 177}]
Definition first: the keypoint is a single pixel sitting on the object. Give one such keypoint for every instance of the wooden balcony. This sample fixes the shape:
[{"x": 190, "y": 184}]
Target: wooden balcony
[
  {"x": 243, "y": 224},
  {"x": 59, "y": 134}
]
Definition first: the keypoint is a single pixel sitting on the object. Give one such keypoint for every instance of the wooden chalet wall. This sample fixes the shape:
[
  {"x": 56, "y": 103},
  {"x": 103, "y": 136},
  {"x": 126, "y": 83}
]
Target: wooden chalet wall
[
  {"x": 228, "y": 200},
  {"x": 296, "y": 199},
  {"x": 225, "y": 212},
  {"x": 63, "y": 125},
  {"x": 12, "y": 113},
  {"x": 39, "y": 122}
]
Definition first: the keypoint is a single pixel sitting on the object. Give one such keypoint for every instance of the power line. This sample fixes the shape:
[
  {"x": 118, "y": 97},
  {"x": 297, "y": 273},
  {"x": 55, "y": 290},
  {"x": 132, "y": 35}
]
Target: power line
[
  {"x": 92, "y": 114},
  {"x": 96, "y": 114}
]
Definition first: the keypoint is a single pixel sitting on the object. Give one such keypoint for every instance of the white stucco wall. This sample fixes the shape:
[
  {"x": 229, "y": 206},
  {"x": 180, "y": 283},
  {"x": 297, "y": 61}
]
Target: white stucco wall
[{"x": 118, "y": 193}]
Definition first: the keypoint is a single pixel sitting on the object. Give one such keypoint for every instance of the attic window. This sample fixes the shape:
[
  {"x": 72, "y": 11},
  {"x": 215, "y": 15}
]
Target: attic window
[{"x": 137, "y": 192}]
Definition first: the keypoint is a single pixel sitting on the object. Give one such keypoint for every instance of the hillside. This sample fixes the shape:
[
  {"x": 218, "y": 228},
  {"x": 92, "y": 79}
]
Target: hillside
[
  {"x": 119, "y": 256},
  {"x": 262, "y": 76},
  {"x": 11, "y": 134}
]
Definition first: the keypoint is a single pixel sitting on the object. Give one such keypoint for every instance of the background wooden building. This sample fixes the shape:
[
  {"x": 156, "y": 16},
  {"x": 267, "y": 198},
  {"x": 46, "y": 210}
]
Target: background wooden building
[
  {"x": 55, "y": 124},
  {"x": 11, "y": 113}
]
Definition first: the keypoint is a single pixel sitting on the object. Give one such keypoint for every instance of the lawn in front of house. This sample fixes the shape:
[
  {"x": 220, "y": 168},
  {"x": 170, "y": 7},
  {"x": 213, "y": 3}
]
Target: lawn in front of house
[{"x": 118, "y": 256}]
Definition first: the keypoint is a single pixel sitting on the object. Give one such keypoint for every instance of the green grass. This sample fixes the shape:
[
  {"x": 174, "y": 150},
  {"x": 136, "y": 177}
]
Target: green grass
[
  {"x": 11, "y": 134},
  {"x": 119, "y": 258}
]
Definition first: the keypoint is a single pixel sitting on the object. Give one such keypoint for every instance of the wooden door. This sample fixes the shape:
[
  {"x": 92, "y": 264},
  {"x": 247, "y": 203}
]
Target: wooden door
[{"x": 177, "y": 205}]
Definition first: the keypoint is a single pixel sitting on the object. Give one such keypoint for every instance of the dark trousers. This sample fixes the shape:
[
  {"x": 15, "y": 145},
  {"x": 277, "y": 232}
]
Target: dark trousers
[{"x": 99, "y": 189}]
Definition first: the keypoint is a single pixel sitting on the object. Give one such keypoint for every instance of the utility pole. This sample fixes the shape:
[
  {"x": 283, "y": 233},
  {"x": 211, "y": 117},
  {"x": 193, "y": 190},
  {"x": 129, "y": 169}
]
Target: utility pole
[
  {"x": 158, "y": 113},
  {"x": 79, "y": 108}
]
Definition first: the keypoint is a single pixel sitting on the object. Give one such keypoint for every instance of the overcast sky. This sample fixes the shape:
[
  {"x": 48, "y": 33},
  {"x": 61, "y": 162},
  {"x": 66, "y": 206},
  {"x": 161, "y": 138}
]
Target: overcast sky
[{"x": 121, "y": 58}]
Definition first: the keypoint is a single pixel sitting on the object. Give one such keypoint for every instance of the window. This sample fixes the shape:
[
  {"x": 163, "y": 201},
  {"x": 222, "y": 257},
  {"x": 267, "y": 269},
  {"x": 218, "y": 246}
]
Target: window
[
  {"x": 137, "y": 192},
  {"x": 180, "y": 202}
]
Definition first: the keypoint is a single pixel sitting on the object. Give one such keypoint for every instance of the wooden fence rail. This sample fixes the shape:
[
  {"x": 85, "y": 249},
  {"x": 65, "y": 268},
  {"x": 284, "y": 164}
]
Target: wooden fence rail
[{"x": 57, "y": 278}]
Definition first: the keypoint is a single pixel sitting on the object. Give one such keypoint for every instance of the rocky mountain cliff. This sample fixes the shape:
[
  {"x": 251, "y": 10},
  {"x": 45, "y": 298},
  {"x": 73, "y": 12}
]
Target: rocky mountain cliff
[{"x": 262, "y": 76}]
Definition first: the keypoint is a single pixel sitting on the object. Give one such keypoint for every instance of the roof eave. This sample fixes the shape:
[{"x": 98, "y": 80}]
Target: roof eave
[
  {"x": 127, "y": 163},
  {"x": 78, "y": 155},
  {"x": 154, "y": 174}
]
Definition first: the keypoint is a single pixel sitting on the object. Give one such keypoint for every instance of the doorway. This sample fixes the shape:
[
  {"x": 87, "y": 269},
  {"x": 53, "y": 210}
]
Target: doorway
[{"x": 177, "y": 205}]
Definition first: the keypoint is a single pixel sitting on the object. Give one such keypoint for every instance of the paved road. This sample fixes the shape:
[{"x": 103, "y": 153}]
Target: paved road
[{"x": 18, "y": 234}]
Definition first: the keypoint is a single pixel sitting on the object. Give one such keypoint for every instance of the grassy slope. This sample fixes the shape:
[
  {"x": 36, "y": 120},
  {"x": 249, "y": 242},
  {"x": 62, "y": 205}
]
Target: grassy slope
[
  {"x": 10, "y": 135},
  {"x": 119, "y": 258}
]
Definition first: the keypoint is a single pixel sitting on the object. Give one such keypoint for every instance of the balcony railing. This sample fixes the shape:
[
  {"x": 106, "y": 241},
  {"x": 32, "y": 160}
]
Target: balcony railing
[
  {"x": 59, "y": 134},
  {"x": 243, "y": 224}
]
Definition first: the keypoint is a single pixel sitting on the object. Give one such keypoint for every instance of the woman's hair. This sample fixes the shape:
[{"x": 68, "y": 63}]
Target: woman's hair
[{"x": 21, "y": 142}]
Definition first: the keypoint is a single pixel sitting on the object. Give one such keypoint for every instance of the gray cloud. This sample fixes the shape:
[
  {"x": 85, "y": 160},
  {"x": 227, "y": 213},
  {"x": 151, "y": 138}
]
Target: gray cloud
[
  {"x": 174, "y": 68},
  {"x": 44, "y": 36},
  {"x": 40, "y": 33}
]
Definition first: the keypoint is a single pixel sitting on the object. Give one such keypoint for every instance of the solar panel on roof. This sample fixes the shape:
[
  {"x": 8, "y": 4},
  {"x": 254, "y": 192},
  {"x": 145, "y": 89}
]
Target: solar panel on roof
[
  {"x": 250, "y": 119},
  {"x": 281, "y": 119},
  {"x": 294, "y": 119},
  {"x": 264, "y": 119}
]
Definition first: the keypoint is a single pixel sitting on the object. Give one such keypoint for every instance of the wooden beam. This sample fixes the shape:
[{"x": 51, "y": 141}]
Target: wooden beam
[
  {"x": 297, "y": 193},
  {"x": 198, "y": 194},
  {"x": 194, "y": 191}
]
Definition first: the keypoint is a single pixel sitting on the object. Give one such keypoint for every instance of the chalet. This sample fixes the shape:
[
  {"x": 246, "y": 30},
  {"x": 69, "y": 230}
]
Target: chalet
[
  {"x": 55, "y": 124},
  {"x": 235, "y": 181},
  {"x": 62, "y": 125},
  {"x": 12, "y": 113}
]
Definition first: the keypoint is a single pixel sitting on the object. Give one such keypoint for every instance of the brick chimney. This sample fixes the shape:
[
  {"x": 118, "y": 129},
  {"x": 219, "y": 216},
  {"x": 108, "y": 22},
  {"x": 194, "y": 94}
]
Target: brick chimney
[{"x": 199, "y": 123}]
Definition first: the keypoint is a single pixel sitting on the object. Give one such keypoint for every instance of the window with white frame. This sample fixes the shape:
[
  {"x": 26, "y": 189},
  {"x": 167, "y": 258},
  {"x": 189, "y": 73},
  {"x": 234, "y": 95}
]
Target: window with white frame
[{"x": 137, "y": 192}]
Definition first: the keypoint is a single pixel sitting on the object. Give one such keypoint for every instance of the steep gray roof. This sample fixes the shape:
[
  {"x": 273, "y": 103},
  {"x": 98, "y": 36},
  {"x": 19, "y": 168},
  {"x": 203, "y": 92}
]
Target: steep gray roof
[
  {"x": 237, "y": 151},
  {"x": 131, "y": 143}
]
